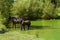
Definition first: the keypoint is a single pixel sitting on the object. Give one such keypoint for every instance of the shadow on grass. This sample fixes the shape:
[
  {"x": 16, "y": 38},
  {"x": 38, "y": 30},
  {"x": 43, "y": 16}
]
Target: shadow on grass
[
  {"x": 3, "y": 31},
  {"x": 33, "y": 27},
  {"x": 38, "y": 27}
]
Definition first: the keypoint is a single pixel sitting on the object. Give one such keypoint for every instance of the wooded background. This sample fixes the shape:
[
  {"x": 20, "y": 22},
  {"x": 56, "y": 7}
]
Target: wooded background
[{"x": 29, "y": 9}]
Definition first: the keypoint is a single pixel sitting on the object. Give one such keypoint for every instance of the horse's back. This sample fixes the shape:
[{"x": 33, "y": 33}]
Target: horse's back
[{"x": 26, "y": 22}]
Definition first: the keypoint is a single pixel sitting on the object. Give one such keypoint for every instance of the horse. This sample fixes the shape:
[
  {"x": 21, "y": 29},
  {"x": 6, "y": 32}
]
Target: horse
[
  {"x": 24, "y": 23},
  {"x": 13, "y": 20},
  {"x": 21, "y": 21}
]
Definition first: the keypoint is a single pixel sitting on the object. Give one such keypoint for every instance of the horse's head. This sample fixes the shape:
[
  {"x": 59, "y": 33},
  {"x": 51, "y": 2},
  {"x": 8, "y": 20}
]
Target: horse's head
[
  {"x": 19, "y": 19},
  {"x": 11, "y": 18}
]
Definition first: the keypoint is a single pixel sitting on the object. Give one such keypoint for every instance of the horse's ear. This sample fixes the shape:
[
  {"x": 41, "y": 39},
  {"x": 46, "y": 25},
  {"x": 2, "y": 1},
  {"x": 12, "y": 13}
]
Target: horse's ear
[{"x": 10, "y": 17}]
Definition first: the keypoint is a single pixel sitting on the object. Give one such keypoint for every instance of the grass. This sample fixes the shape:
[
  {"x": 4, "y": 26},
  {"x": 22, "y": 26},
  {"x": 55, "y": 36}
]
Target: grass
[
  {"x": 46, "y": 23},
  {"x": 39, "y": 30}
]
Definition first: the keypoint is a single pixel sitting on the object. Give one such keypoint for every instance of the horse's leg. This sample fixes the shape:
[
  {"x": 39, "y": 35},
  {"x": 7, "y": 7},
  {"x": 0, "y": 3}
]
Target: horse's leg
[
  {"x": 15, "y": 25},
  {"x": 21, "y": 27},
  {"x": 24, "y": 27},
  {"x": 28, "y": 26}
]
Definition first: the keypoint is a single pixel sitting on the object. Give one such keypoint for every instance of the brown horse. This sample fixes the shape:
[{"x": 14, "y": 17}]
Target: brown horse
[
  {"x": 13, "y": 20},
  {"x": 25, "y": 23}
]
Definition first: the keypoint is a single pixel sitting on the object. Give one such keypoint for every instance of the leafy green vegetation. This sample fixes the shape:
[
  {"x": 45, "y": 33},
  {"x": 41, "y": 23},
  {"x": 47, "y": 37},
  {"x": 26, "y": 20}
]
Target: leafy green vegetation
[{"x": 31, "y": 9}]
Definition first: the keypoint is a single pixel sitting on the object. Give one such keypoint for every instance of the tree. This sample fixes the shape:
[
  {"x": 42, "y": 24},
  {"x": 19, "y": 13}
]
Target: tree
[
  {"x": 5, "y": 10},
  {"x": 29, "y": 9}
]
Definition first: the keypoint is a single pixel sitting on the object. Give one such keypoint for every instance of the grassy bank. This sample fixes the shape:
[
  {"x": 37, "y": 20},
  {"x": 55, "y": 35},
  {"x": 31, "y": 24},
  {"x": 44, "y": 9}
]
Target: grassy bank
[{"x": 39, "y": 30}]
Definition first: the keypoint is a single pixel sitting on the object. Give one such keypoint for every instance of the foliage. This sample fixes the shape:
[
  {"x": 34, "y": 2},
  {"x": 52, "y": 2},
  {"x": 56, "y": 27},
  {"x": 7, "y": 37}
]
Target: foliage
[
  {"x": 5, "y": 10},
  {"x": 34, "y": 9},
  {"x": 29, "y": 9}
]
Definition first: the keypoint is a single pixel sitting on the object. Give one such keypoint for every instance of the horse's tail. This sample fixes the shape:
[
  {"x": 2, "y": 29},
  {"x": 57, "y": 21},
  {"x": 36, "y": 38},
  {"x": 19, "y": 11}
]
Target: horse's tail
[{"x": 29, "y": 22}]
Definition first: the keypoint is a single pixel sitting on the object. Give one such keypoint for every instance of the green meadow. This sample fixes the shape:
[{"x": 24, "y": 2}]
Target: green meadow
[{"x": 39, "y": 30}]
